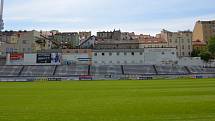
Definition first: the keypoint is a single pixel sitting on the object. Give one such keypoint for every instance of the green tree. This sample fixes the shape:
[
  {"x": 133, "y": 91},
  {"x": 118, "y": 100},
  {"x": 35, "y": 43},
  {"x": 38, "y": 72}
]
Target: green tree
[
  {"x": 195, "y": 53},
  {"x": 205, "y": 55},
  {"x": 211, "y": 46}
]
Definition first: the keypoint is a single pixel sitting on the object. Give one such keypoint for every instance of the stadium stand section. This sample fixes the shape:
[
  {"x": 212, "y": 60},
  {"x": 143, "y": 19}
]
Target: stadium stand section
[
  {"x": 171, "y": 70},
  {"x": 7, "y": 71},
  {"x": 201, "y": 70},
  {"x": 139, "y": 70},
  {"x": 72, "y": 70},
  {"x": 100, "y": 71},
  {"x": 38, "y": 71},
  {"x": 106, "y": 70}
]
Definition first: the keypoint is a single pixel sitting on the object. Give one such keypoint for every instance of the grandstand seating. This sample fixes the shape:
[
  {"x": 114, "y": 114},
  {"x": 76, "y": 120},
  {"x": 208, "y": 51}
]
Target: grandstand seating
[
  {"x": 171, "y": 70},
  {"x": 201, "y": 70},
  {"x": 38, "y": 71},
  {"x": 139, "y": 70},
  {"x": 71, "y": 70},
  {"x": 10, "y": 70},
  {"x": 106, "y": 70}
]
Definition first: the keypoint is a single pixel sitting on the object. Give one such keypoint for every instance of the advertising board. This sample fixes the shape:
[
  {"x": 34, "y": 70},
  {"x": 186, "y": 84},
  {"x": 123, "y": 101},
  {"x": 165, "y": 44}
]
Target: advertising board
[{"x": 49, "y": 58}]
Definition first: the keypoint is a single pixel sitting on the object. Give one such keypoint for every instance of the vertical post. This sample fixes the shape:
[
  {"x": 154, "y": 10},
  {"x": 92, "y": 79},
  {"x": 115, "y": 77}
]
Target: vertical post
[{"x": 1, "y": 16}]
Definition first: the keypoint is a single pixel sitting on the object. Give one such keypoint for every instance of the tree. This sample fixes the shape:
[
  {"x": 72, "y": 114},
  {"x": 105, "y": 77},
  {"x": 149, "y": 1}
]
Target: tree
[
  {"x": 205, "y": 55},
  {"x": 211, "y": 46},
  {"x": 195, "y": 53}
]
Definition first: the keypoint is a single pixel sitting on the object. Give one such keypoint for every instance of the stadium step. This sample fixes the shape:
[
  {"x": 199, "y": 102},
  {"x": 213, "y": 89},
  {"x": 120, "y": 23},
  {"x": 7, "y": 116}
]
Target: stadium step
[
  {"x": 54, "y": 72},
  {"x": 20, "y": 72},
  {"x": 123, "y": 72},
  {"x": 188, "y": 70},
  {"x": 156, "y": 71}
]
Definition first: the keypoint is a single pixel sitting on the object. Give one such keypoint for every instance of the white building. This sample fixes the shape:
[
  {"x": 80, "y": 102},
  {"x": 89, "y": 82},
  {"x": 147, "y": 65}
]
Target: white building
[{"x": 146, "y": 56}]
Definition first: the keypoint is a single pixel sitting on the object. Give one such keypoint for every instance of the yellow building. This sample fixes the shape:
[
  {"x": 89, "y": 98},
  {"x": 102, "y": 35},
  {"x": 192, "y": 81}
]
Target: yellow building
[{"x": 204, "y": 30}]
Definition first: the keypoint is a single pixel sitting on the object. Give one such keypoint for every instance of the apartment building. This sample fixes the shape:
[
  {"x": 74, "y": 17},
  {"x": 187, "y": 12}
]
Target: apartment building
[
  {"x": 115, "y": 35},
  {"x": 84, "y": 35},
  {"x": 181, "y": 40},
  {"x": 116, "y": 44},
  {"x": 70, "y": 39},
  {"x": 152, "y": 42},
  {"x": 19, "y": 41},
  {"x": 204, "y": 30}
]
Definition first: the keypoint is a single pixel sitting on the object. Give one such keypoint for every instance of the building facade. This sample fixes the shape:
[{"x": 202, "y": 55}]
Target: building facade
[
  {"x": 70, "y": 39},
  {"x": 146, "y": 56},
  {"x": 204, "y": 30},
  {"x": 181, "y": 40},
  {"x": 152, "y": 42},
  {"x": 116, "y": 44},
  {"x": 19, "y": 41}
]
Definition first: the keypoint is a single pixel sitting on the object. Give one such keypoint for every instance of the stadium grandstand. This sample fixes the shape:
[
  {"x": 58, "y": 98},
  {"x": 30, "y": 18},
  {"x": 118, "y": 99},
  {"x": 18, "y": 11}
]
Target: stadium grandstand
[{"x": 100, "y": 71}]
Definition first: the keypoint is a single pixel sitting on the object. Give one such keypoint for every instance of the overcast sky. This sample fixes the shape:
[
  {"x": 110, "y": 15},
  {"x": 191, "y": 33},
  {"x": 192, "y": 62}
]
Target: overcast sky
[{"x": 140, "y": 16}]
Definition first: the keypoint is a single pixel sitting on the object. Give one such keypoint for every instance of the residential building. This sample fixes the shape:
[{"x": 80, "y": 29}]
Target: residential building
[
  {"x": 88, "y": 43},
  {"x": 116, "y": 44},
  {"x": 199, "y": 45},
  {"x": 19, "y": 41},
  {"x": 84, "y": 35},
  {"x": 152, "y": 42},
  {"x": 181, "y": 40},
  {"x": 68, "y": 39},
  {"x": 204, "y": 30},
  {"x": 115, "y": 35}
]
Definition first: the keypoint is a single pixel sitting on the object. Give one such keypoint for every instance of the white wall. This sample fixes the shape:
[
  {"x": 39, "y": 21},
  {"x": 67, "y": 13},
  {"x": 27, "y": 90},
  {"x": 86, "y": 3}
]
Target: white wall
[
  {"x": 160, "y": 56},
  {"x": 121, "y": 58},
  {"x": 190, "y": 61},
  {"x": 29, "y": 59},
  {"x": 147, "y": 56}
]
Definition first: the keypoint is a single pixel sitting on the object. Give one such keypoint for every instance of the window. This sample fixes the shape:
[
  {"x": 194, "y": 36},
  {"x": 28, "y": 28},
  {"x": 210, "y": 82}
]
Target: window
[
  {"x": 173, "y": 53},
  {"x": 117, "y": 53},
  {"x": 162, "y": 53},
  {"x": 24, "y": 41},
  {"x": 183, "y": 47},
  {"x": 182, "y": 40},
  {"x": 110, "y": 54},
  {"x": 189, "y": 47},
  {"x": 103, "y": 54},
  {"x": 132, "y": 53},
  {"x": 141, "y": 53},
  {"x": 95, "y": 54},
  {"x": 125, "y": 53},
  {"x": 125, "y": 62},
  {"x": 188, "y": 41}
]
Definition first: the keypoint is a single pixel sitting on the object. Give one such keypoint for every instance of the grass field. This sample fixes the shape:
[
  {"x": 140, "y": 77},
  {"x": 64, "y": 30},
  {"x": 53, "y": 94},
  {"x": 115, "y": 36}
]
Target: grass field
[{"x": 160, "y": 100}]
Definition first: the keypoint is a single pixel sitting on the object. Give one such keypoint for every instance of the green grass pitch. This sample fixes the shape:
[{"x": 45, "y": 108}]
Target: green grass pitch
[{"x": 156, "y": 100}]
